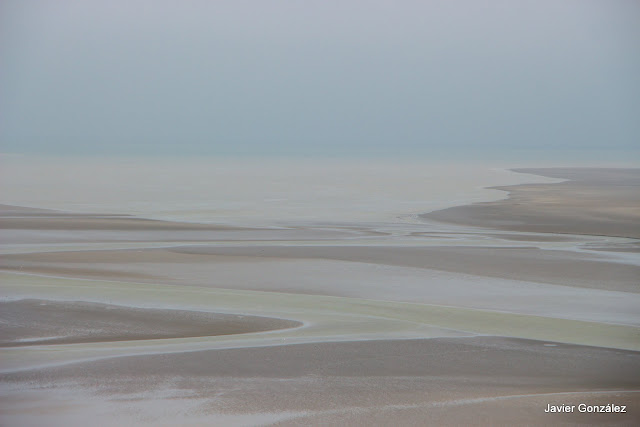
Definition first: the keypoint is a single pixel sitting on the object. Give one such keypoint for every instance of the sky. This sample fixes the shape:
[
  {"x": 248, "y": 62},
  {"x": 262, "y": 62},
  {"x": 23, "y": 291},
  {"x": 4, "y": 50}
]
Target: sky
[{"x": 451, "y": 79}]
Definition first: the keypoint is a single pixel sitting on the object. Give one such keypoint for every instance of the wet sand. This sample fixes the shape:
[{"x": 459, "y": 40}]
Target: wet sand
[
  {"x": 475, "y": 381},
  {"x": 144, "y": 322}
]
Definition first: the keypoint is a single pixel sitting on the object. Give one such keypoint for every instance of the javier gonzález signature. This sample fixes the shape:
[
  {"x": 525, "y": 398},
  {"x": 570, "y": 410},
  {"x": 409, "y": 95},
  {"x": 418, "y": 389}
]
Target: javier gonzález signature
[{"x": 583, "y": 407}]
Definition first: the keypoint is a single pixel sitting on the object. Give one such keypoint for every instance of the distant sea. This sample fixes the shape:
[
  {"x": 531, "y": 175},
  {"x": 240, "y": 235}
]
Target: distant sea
[{"x": 256, "y": 192}]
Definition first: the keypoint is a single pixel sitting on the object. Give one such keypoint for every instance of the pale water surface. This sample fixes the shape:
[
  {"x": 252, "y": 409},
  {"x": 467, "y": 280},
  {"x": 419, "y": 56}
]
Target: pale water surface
[{"x": 263, "y": 192}]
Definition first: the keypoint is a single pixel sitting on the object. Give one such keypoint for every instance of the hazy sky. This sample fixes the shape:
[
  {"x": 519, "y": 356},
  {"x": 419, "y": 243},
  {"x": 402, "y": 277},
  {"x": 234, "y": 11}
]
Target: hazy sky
[{"x": 330, "y": 78}]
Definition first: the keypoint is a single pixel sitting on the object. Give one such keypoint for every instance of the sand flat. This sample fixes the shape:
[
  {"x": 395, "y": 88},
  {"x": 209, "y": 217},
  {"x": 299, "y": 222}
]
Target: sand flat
[
  {"x": 326, "y": 318},
  {"x": 443, "y": 380},
  {"x": 348, "y": 324},
  {"x": 197, "y": 263},
  {"x": 30, "y": 322},
  {"x": 299, "y": 272}
]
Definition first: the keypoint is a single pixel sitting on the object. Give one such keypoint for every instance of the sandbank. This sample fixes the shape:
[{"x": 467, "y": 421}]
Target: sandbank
[{"x": 593, "y": 201}]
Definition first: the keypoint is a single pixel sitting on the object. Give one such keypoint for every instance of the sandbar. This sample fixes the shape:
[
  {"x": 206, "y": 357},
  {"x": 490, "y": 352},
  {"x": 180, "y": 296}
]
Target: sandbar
[{"x": 592, "y": 201}]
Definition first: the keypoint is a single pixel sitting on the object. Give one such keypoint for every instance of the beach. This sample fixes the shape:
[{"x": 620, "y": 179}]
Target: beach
[{"x": 476, "y": 313}]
